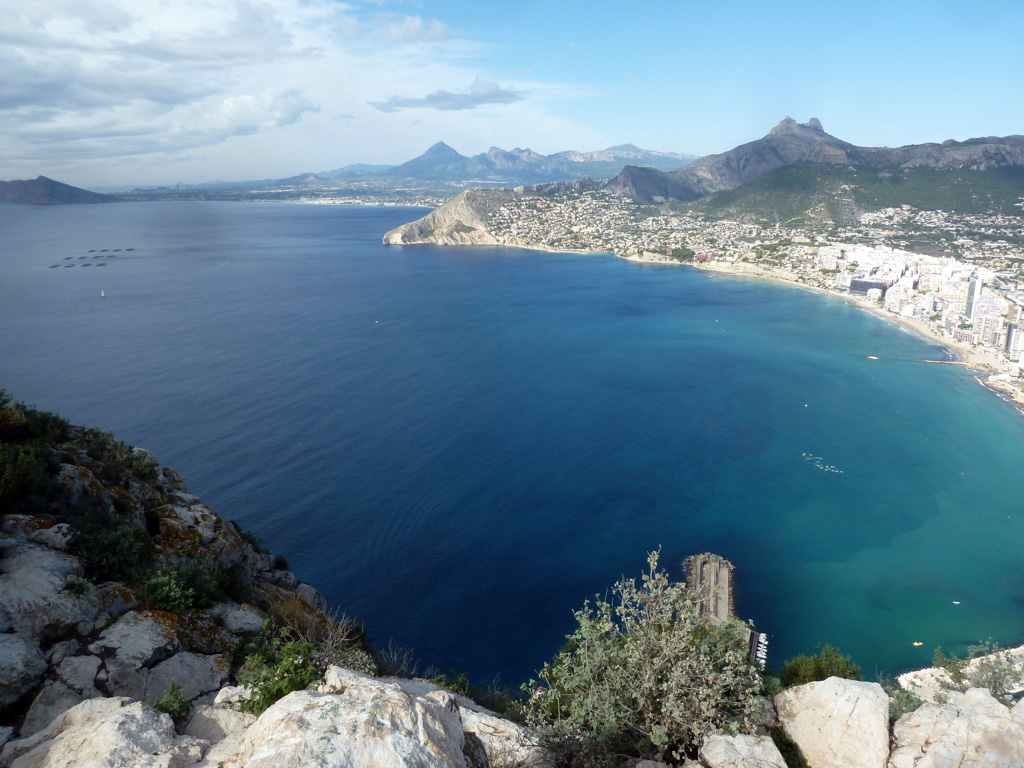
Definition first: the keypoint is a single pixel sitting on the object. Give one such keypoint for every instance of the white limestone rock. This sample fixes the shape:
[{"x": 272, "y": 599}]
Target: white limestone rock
[
  {"x": 32, "y": 596},
  {"x": 194, "y": 674},
  {"x": 56, "y": 537},
  {"x": 104, "y": 733},
  {"x": 312, "y": 596},
  {"x": 55, "y": 698},
  {"x": 376, "y": 726},
  {"x": 60, "y": 651},
  {"x": 79, "y": 672},
  {"x": 214, "y": 724},
  {"x": 504, "y": 742},
  {"x": 837, "y": 723},
  {"x": 79, "y": 483},
  {"x": 972, "y": 729},
  {"x": 719, "y": 751},
  {"x": 229, "y": 696},
  {"x": 22, "y": 666},
  {"x": 75, "y": 683},
  {"x": 240, "y": 619},
  {"x": 139, "y": 637},
  {"x": 136, "y": 641}
]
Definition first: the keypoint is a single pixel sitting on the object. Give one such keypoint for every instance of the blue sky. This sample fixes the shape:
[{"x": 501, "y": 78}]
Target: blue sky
[{"x": 109, "y": 92}]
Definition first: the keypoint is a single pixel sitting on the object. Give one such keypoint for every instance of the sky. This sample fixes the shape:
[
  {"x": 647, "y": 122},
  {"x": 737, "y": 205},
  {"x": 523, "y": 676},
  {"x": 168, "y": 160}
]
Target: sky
[{"x": 106, "y": 93}]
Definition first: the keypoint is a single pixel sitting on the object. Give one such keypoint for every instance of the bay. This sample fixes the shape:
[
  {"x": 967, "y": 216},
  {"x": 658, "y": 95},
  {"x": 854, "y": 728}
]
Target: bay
[{"x": 460, "y": 445}]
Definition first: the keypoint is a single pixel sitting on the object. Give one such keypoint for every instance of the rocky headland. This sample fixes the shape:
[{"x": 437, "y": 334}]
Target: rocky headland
[{"x": 134, "y": 620}]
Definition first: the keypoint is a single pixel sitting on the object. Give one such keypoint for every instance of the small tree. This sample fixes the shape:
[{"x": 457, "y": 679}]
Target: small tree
[
  {"x": 829, "y": 662},
  {"x": 174, "y": 704},
  {"x": 645, "y": 675}
]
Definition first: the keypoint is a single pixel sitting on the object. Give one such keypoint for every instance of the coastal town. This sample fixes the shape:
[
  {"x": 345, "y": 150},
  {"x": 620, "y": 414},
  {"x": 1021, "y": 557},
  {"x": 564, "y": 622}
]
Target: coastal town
[{"x": 957, "y": 279}]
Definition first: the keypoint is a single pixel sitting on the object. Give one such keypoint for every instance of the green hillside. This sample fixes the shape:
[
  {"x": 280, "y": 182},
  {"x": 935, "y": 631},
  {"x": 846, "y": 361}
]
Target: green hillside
[{"x": 811, "y": 193}]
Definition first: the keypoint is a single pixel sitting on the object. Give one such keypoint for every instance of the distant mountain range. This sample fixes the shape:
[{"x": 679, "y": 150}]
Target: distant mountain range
[
  {"x": 44, "y": 191},
  {"x": 797, "y": 173},
  {"x": 524, "y": 166},
  {"x": 798, "y": 170}
]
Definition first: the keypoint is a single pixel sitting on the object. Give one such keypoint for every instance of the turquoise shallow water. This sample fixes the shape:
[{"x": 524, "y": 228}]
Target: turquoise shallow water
[{"x": 461, "y": 445}]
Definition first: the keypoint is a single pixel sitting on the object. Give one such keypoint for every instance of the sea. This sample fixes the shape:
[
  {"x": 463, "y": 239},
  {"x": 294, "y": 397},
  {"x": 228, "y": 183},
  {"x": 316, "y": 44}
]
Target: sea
[{"x": 461, "y": 445}]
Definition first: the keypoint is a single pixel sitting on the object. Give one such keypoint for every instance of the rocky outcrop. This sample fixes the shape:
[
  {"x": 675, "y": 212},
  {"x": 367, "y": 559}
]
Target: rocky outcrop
[
  {"x": 366, "y": 726},
  {"x": 971, "y": 729},
  {"x": 502, "y": 741},
  {"x": 463, "y": 220},
  {"x": 837, "y": 723}
]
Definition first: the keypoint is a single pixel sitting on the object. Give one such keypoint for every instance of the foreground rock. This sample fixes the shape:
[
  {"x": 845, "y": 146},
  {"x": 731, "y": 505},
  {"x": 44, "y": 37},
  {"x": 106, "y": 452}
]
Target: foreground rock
[
  {"x": 837, "y": 723},
  {"x": 105, "y": 733},
  {"x": 21, "y": 664},
  {"x": 743, "y": 751},
  {"x": 972, "y": 729},
  {"x": 362, "y": 726}
]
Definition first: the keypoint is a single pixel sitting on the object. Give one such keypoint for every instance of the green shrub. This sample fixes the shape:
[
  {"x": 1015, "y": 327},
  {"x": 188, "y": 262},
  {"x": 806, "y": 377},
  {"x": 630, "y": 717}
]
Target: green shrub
[
  {"x": 335, "y": 638},
  {"x": 77, "y": 586},
  {"x": 196, "y": 585},
  {"x": 456, "y": 682},
  {"x": 143, "y": 466},
  {"x": 993, "y": 670},
  {"x": 901, "y": 702},
  {"x": 167, "y": 591},
  {"x": 275, "y": 667},
  {"x": 645, "y": 675},
  {"x": 952, "y": 665},
  {"x": 174, "y": 704},
  {"x": 112, "y": 551},
  {"x": 26, "y": 477},
  {"x": 20, "y": 423},
  {"x": 829, "y": 662}
]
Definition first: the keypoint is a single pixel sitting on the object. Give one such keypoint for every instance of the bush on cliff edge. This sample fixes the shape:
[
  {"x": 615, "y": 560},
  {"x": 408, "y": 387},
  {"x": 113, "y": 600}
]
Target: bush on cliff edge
[{"x": 644, "y": 675}]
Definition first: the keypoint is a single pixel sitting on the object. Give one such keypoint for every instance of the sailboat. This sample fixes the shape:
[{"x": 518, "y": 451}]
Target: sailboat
[{"x": 103, "y": 295}]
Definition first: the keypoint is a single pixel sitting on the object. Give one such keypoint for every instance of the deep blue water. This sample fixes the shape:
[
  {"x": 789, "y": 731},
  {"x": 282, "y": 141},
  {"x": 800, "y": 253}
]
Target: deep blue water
[{"x": 460, "y": 445}]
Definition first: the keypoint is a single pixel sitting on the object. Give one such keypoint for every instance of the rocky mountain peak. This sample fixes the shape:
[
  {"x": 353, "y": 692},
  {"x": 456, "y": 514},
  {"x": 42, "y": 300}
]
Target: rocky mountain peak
[
  {"x": 441, "y": 150},
  {"x": 786, "y": 125},
  {"x": 789, "y": 125}
]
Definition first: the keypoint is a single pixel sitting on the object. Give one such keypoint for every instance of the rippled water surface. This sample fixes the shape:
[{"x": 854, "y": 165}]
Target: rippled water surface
[{"x": 460, "y": 445}]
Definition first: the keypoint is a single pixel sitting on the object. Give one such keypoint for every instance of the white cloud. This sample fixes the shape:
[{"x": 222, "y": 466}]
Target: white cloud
[
  {"x": 481, "y": 92},
  {"x": 129, "y": 91}
]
